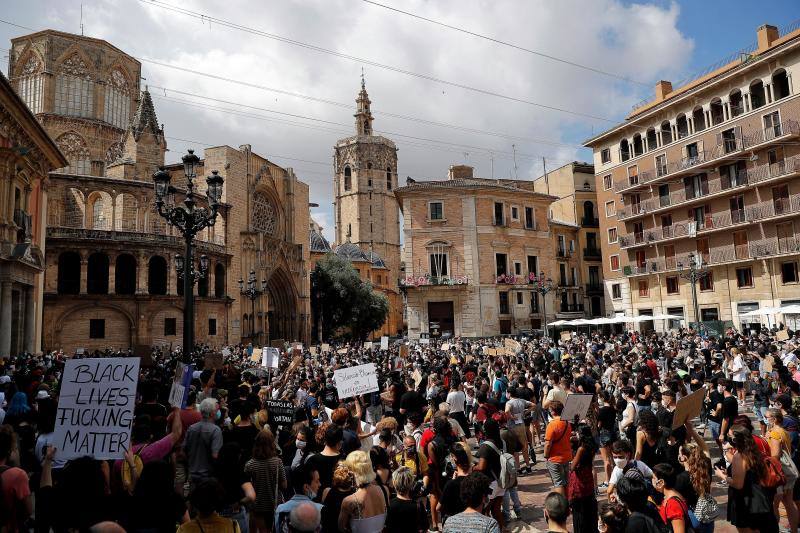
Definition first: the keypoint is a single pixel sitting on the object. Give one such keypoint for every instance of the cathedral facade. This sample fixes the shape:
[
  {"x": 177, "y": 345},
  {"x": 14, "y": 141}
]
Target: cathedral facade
[{"x": 366, "y": 211}]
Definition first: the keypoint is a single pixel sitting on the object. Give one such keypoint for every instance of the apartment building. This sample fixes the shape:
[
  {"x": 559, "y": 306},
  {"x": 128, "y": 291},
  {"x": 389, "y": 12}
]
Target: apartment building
[
  {"x": 706, "y": 171},
  {"x": 576, "y": 207},
  {"x": 472, "y": 249}
]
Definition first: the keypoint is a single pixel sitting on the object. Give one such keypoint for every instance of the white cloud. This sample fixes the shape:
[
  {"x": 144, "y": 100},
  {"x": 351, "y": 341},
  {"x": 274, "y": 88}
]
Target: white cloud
[{"x": 641, "y": 41}]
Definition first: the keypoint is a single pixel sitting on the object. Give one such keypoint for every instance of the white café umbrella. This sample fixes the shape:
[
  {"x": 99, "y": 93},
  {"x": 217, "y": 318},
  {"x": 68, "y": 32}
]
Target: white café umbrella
[
  {"x": 558, "y": 323},
  {"x": 790, "y": 310}
]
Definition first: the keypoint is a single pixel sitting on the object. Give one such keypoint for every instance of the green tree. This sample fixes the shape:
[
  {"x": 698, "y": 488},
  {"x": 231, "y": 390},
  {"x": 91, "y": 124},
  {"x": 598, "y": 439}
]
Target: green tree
[{"x": 347, "y": 302}]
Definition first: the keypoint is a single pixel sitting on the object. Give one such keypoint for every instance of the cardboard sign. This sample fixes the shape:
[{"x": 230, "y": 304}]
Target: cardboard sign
[
  {"x": 312, "y": 350},
  {"x": 368, "y": 345},
  {"x": 576, "y": 404},
  {"x": 256, "y": 355},
  {"x": 326, "y": 348},
  {"x": 688, "y": 407},
  {"x": 278, "y": 343},
  {"x": 270, "y": 357},
  {"x": 384, "y": 342},
  {"x": 95, "y": 408},
  {"x": 417, "y": 376},
  {"x": 782, "y": 335},
  {"x": 424, "y": 341},
  {"x": 453, "y": 360},
  {"x": 512, "y": 346},
  {"x": 404, "y": 351},
  {"x": 294, "y": 364},
  {"x": 356, "y": 380},
  {"x": 566, "y": 336},
  {"x": 180, "y": 385},
  {"x": 213, "y": 361},
  {"x": 280, "y": 413},
  {"x": 341, "y": 351},
  {"x": 445, "y": 347}
]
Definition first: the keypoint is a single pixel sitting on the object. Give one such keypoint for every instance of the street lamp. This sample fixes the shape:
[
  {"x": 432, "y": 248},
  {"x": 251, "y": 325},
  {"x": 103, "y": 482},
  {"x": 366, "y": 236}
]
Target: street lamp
[
  {"x": 195, "y": 274},
  {"x": 542, "y": 286},
  {"x": 696, "y": 272},
  {"x": 252, "y": 292},
  {"x": 189, "y": 221}
]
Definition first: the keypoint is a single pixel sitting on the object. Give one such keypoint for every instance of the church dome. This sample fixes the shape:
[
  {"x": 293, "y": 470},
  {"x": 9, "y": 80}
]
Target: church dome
[
  {"x": 318, "y": 242},
  {"x": 351, "y": 252},
  {"x": 376, "y": 260}
]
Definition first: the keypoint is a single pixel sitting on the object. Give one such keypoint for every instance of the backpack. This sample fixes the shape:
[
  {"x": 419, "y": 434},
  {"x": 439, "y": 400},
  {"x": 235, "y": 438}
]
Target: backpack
[
  {"x": 127, "y": 477},
  {"x": 508, "y": 468},
  {"x": 773, "y": 475}
]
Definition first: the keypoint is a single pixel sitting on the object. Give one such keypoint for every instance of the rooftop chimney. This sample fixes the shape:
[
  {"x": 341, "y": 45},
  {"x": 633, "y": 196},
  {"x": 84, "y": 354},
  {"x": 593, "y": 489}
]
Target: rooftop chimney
[
  {"x": 663, "y": 88},
  {"x": 459, "y": 172},
  {"x": 767, "y": 35}
]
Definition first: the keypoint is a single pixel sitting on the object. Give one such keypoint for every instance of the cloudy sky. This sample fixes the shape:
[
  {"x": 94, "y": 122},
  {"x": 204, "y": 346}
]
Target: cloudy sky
[{"x": 283, "y": 75}]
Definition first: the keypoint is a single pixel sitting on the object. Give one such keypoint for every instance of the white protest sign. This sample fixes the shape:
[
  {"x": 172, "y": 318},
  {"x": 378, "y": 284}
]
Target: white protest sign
[
  {"x": 576, "y": 404},
  {"x": 180, "y": 385},
  {"x": 226, "y": 352},
  {"x": 326, "y": 347},
  {"x": 95, "y": 408},
  {"x": 445, "y": 347},
  {"x": 424, "y": 341},
  {"x": 368, "y": 345},
  {"x": 270, "y": 357},
  {"x": 384, "y": 343},
  {"x": 356, "y": 380}
]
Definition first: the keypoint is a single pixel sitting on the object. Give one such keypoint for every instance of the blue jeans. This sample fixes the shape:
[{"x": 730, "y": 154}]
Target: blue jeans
[
  {"x": 705, "y": 528},
  {"x": 511, "y": 494},
  {"x": 714, "y": 427},
  {"x": 241, "y": 517}
]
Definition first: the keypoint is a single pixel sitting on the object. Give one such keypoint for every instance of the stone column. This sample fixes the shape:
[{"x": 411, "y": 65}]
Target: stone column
[
  {"x": 690, "y": 124},
  {"x": 84, "y": 272},
  {"x": 726, "y": 108},
  {"x": 30, "y": 320},
  {"x": 141, "y": 274},
  {"x": 112, "y": 274},
  {"x": 768, "y": 99},
  {"x": 5, "y": 319},
  {"x": 746, "y": 99}
]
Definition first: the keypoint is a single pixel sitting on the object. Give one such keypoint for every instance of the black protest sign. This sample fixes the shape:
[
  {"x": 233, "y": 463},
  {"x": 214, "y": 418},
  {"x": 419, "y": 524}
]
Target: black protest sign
[{"x": 280, "y": 413}]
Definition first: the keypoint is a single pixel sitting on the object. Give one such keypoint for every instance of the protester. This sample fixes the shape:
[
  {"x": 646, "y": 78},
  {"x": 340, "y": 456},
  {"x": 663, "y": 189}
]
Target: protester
[
  {"x": 474, "y": 489},
  {"x": 266, "y": 473}
]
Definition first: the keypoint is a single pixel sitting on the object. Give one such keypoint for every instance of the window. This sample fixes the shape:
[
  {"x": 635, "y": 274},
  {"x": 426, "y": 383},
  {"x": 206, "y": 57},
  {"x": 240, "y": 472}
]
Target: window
[
  {"x": 212, "y": 326},
  {"x": 612, "y": 235},
  {"x": 772, "y": 126},
  {"x": 97, "y": 328},
  {"x": 519, "y": 298},
  {"x": 607, "y": 182},
  {"x": 789, "y": 272},
  {"x": 501, "y": 264},
  {"x": 436, "y": 210},
  {"x": 504, "y": 303},
  {"x": 517, "y": 268},
  {"x": 709, "y": 315},
  {"x": 661, "y": 165},
  {"x": 644, "y": 288},
  {"x": 514, "y": 212},
  {"x": 170, "y": 326},
  {"x": 30, "y": 84},
  {"x": 529, "y": 218},
  {"x": 74, "y": 89},
  {"x": 672, "y": 285},
  {"x": 369, "y": 181},
  {"x": 117, "y": 104},
  {"x": 533, "y": 264},
  {"x": 438, "y": 264},
  {"x": 611, "y": 209},
  {"x": 744, "y": 277},
  {"x": 499, "y": 219},
  {"x": 707, "y": 282},
  {"x": 388, "y": 178},
  {"x": 348, "y": 178},
  {"x": 614, "y": 261},
  {"x": 605, "y": 155},
  {"x": 616, "y": 291}
]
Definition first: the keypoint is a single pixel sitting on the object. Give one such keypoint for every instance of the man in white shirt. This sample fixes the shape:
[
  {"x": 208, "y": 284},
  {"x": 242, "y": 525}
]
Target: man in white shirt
[
  {"x": 740, "y": 372},
  {"x": 625, "y": 466},
  {"x": 457, "y": 400}
]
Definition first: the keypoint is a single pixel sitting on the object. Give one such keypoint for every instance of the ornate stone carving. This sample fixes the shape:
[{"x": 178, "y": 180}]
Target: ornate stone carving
[
  {"x": 32, "y": 66},
  {"x": 264, "y": 218},
  {"x": 113, "y": 152},
  {"x": 75, "y": 66},
  {"x": 72, "y": 145},
  {"x": 118, "y": 81}
]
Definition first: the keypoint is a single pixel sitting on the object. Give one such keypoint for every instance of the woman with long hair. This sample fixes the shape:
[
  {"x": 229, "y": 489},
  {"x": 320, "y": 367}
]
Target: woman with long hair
[
  {"x": 697, "y": 465},
  {"x": 647, "y": 437},
  {"x": 749, "y": 504},
  {"x": 265, "y": 471},
  {"x": 451, "y": 502},
  {"x": 780, "y": 444},
  {"x": 580, "y": 486}
]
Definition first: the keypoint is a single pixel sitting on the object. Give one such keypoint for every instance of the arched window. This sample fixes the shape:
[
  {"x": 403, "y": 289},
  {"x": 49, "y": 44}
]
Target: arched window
[
  {"x": 125, "y": 212},
  {"x": 638, "y": 146},
  {"x": 219, "y": 280},
  {"x": 75, "y": 149},
  {"x": 157, "y": 275},
  {"x": 682, "y": 125},
  {"x": 366, "y": 128},
  {"x": 347, "y": 178},
  {"x": 666, "y": 133},
  {"x": 757, "y": 97},
  {"x": 202, "y": 287},
  {"x": 699, "y": 118},
  {"x": 624, "y": 150},
  {"x": 780, "y": 84},
  {"x": 117, "y": 105},
  {"x": 265, "y": 218},
  {"x": 97, "y": 274},
  {"x": 652, "y": 141},
  {"x": 74, "y": 91},
  {"x": 588, "y": 210},
  {"x": 388, "y": 178},
  {"x": 30, "y": 82},
  {"x": 74, "y": 209},
  {"x": 717, "y": 115},
  {"x": 125, "y": 274},
  {"x": 737, "y": 106},
  {"x": 69, "y": 273}
]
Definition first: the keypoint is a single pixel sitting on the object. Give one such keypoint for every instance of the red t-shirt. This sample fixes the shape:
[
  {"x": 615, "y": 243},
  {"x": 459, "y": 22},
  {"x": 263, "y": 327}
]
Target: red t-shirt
[
  {"x": 427, "y": 436},
  {"x": 653, "y": 367},
  {"x": 15, "y": 489},
  {"x": 673, "y": 509}
]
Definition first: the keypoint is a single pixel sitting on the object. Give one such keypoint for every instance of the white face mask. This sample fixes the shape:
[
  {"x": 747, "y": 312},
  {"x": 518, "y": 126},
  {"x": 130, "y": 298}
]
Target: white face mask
[
  {"x": 620, "y": 462},
  {"x": 300, "y": 444}
]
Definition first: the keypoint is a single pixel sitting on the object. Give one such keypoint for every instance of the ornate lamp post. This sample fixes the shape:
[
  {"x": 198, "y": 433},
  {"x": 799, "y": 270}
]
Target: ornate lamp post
[
  {"x": 696, "y": 271},
  {"x": 542, "y": 286},
  {"x": 252, "y": 292},
  {"x": 195, "y": 274},
  {"x": 189, "y": 220}
]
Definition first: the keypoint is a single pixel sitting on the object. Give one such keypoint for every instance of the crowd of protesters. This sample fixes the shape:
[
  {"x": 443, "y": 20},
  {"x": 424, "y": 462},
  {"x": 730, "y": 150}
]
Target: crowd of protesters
[{"x": 442, "y": 445}]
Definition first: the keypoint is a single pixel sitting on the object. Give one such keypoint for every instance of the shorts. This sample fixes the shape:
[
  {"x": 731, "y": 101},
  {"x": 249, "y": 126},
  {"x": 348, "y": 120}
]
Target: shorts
[
  {"x": 559, "y": 473},
  {"x": 520, "y": 435},
  {"x": 738, "y": 385},
  {"x": 605, "y": 438},
  {"x": 761, "y": 414},
  {"x": 714, "y": 427},
  {"x": 788, "y": 487},
  {"x": 497, "y": 492}
]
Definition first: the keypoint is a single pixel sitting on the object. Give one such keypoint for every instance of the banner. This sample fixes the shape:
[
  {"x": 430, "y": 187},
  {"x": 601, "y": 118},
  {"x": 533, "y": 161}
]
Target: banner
[
  {"x": 270, "y": 357},
  {"x": 368, "y": 345},
  {"x": 512, "y": 346},
  {"x": 384, "y": 343},
  {"x": 95, "y": 408},
  {"x": 356, "y": 380},
  {"x": 782, "y": 335},
  {"x": 424, "y": 341},
  {"x": 180, "y": 385},
  {"x": 280, "y": 413}
]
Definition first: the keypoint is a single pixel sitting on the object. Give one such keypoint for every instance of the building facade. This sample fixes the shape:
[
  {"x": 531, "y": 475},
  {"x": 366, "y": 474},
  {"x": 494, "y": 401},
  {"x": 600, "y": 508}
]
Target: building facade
[
  {"x": 707, "y": 171},
  {"x": 365, "y": 208},
  {"x": 471, "y": 246},
  {"x": 576, "y": 207},
  {"x": 27, "y": 154}
]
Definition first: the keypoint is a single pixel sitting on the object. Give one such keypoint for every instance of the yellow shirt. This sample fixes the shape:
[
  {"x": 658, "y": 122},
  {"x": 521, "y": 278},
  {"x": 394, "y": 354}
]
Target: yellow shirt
[
  {"x": 781, "y": 435},
  {"x": 213, "y": 524}
]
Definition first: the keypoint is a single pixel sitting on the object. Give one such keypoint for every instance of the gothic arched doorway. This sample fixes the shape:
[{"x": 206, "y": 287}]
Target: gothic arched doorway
[{"x": 282, "y": 312}]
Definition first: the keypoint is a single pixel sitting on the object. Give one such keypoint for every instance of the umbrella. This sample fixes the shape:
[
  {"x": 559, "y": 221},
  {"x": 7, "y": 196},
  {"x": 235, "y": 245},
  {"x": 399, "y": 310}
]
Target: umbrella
[
  {"x": 667, "y": 317},
  {"x": 764, "y": 311},
  {"x": 558, "y": 323},
  {"x": 790, "y": 310}
]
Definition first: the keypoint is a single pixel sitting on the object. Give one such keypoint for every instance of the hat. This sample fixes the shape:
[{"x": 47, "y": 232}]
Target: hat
[{"x": 42, "y": 395}]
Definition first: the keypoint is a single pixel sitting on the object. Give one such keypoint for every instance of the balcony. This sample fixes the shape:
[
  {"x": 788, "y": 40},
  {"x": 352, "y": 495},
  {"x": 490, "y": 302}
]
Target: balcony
[
  {"x": 425, "y": 279},
  {"x": 592, "y": 254},
  {"x": 726, "y": 147},
  {"x": 771, "y": 247},
  {"x": 712, "y": 187},
  {"x": 590, "y": 222},
  {"x": 58, "y": 232},
  {"x": 561, "y": 252},
  {"x": 570, "y": 308},
  {"x": 594, "y": 288}
]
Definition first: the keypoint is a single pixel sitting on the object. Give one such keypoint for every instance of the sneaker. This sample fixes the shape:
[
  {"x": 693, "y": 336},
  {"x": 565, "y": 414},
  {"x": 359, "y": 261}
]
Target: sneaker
[
  {"x": 603, "y": 485},
  {"x": 723, "y": 483},
  {"x": 700, "y": 426}
]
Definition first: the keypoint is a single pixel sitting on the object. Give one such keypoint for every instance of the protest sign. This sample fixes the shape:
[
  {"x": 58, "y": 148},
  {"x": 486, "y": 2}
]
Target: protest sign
[
  {"x": 688, "y": 407},
  {"x": 294, "y": 364},
  {"x": 278, "y": 343},
  {"x": 326, "y": 348},
  {"x": 566, "y": 335},
  {"x": 256, "y": 355},
  {"x": 213, "y": 361},
  {"x": 404, "y": 350},
  {"x": 782, "y": 335},
  {"x": 368, "y": 345},
  {"x": 226, "y": 352},
  {"x": 384, "y": 343},
  {"x": 424, "y": 341},
  {"x": 356, "y": 380},
  {"x": 312, "y": 350},
  {"x": 445, "y": 347},
  {"x": 280, "y": 413},
  {"x": 95, "y": 408},
  {"x": 513, "y": 346},
  {"x": 180, "y": 385},
  {"x": 341, "y": 351},
  {"x": 417, "y": 376},
  {"x": 576, "y": 404},
  {"x": 270, "y": 357}
]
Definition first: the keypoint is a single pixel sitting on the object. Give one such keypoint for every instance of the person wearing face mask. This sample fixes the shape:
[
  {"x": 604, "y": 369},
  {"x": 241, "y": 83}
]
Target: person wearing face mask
[
  {"x": 623, "y": 463},
  {"x": 715, "y": 399},
  {"x": 305, "y": 483},
  {"x": 304, "y": 446},
  {"x": 674, "y": 510}
]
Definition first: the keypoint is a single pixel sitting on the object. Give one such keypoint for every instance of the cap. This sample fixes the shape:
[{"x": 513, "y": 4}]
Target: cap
[{"x": 42, "y": 395}]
